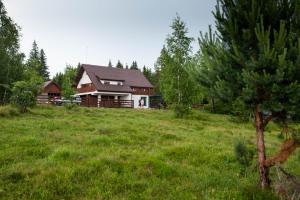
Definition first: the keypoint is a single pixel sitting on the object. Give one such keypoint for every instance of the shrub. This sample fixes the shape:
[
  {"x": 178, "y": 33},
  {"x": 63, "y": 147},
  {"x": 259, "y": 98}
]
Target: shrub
[
  {"x": 70, "y": 106},
  {"x": 8, "y": 111},
  {"x": 244, "y": 155},
  {"x": 181, "y": 110},
  {"x": 22, "y": 97},
  {"x": 24, "y": 92}
]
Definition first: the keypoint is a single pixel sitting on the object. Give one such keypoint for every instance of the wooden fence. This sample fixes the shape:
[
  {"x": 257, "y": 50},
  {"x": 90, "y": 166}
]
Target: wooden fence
[{"x": 116, "y": 103}]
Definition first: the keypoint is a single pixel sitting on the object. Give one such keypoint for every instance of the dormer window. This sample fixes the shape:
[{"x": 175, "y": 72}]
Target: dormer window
[{"x": 111, "y": 82}]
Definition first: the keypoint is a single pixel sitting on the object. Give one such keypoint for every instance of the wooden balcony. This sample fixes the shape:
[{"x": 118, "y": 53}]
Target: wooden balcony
[
  {"x": 116, "y": 103},
  {"x": 86, "y": 88}
]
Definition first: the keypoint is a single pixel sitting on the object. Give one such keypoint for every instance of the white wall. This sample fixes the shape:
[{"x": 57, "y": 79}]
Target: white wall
[
  {"x": 136, "y": 99},
  {"x": 85, "y": 79},
  {"x": 127, "y": 97}
]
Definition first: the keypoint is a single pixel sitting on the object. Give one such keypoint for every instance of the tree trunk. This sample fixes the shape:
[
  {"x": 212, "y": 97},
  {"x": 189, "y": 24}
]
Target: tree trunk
[
  {"x": 213, "y": 105},
  {"x": 263, "y": 170}
]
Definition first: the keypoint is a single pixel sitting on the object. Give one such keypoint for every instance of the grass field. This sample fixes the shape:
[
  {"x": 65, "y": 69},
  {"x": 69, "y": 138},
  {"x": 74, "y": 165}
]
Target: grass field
[{"x": 55, "y": 153}]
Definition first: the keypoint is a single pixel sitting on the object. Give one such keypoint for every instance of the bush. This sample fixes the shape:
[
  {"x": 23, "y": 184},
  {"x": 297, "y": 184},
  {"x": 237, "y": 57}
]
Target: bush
[
  {"x": 22, "y": 97},
  {"x": 8, "y": 111},
  {"x": 181, "y": 110},
  {"x": 244, "y": 155},
  {"x": 24, "y": 93},
  {"x": 70, "y": 106}
]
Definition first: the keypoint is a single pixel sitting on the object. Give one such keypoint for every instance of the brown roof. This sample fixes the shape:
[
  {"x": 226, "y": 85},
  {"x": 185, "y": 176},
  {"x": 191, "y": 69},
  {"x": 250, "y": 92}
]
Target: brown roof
[
  {"x": 47, "y": 83},
  {"x": 130, "y": 78}
]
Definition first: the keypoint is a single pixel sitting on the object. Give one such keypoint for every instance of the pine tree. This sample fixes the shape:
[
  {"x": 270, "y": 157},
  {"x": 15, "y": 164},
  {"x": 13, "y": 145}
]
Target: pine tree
[
  {"x": 44, "y": 73},
  {"x": 256, "y": 63},
  {"x": 109, "y": 64},
  {"x": 119, "y": 65},
  {"x": 134, "y": 65}
]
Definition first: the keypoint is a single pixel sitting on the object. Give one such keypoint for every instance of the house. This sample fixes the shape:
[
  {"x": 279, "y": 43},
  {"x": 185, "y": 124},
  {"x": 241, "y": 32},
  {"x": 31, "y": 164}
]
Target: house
[
  {"x": 49, "y": 91},
  {"x": 100, "y": 86}
]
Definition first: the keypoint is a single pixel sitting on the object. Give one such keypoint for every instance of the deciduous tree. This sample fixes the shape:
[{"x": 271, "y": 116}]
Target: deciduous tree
[
  {"x": 176, "y": 86},
  {"x": 11, "y": 67}
]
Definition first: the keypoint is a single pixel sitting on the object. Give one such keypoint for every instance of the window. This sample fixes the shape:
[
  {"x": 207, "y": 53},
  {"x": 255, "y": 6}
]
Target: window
[
  {"x": 85, "y": 85},
  {"x": 143, "y": 102},
  {"x": 106, "y": 83}
]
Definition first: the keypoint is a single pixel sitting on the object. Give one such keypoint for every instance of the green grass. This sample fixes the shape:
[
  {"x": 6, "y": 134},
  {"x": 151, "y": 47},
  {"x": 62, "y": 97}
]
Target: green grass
[{"x": 54, "y": 153}]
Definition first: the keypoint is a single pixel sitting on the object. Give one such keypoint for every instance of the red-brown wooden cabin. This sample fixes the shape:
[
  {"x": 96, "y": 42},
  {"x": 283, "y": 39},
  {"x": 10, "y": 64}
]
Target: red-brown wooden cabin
[{"x": 51, "y": 89}]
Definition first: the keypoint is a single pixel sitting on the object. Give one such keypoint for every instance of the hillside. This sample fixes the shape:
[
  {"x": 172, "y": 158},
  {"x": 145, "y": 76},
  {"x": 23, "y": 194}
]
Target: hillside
[{"x": 54, "y": 153}]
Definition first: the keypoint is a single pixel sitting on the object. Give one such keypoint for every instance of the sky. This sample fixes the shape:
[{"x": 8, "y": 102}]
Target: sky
[{"x": 96, "y": 31}]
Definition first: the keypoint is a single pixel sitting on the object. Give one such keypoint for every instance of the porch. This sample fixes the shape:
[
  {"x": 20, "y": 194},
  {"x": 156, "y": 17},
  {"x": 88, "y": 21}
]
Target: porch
[{"x": 107, "y": 100}]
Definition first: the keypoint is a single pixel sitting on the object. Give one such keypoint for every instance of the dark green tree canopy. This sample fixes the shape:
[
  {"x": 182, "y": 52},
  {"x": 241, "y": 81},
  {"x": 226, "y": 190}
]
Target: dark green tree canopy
[
  {"x": 11, "y": 68},
  {"x": 44, "y": 67},
  {"x": 258, "y": 60},
  {"x": 119, "y": 65},
  {"x": 255, "y": 60},
  {"x": 134, "y": 65},
  {"x": 109, "y": 64}
]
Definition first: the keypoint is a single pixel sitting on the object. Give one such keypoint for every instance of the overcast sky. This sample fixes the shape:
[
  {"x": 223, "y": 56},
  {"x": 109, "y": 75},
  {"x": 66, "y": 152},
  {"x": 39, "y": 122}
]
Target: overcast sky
[{"x": 95, "y": 31}]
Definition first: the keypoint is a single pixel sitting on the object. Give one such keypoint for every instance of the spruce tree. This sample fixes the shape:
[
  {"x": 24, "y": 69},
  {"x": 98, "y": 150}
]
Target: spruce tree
[
  {"x": 119, "y": 65},
  {"x": 147, "y": 73},
  {"x": 134, "y": 65},
  {"x": 34, "y": 61},
  {"x": 58, "y": 79},
  {"x": 109, "y": 64},
  {"x": 44, "y": 73},
  {"x": 256, "y": 63},
  {"x": 34, "y": 53}
]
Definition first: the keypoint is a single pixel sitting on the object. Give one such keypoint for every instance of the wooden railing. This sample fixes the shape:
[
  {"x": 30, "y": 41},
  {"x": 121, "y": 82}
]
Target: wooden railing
[{"x": 116, "y": 103}]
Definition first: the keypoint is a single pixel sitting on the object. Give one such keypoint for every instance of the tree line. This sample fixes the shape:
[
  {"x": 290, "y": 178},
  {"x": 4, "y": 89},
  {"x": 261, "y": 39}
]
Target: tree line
[{"x": 18, "y": 76}]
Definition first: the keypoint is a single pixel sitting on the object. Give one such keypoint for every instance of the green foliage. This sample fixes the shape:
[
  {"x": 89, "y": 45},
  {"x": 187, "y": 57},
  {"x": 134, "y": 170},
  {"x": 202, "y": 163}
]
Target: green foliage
[
  {"x": 37, "y": 62},
  {"x": 71, "y": 106},
  {"x": 175, "y": 84},
  {"x": 11, "y": 67},
  {"x": 58, "y": 79},
  {"x": 24, "y": 93},
  {"x": 134, "y": 65},
  {"x": 109, "y": 64},
  {"x": 181, "y": 110},
  {"x": 255, "y": 193},
  {"x": 243, "y": 154},
  {"x": 68, "y": 81},
  {"x": 119, "y": 65},
  {"x": 256, "y": 56},
  {"x": 44, "y": 68}
]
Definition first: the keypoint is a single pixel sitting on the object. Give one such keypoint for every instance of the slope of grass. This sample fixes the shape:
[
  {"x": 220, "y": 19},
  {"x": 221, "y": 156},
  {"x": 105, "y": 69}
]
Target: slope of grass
[{"x": 54, "y": 153}]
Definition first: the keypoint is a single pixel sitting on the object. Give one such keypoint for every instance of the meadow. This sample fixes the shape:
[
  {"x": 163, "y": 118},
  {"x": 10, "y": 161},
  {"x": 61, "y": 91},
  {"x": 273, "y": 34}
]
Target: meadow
[{"x": 56, "y": 153}]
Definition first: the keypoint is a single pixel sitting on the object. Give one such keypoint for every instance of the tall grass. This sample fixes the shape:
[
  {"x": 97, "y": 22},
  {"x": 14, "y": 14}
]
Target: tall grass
[{"x": 55, "y": 153}]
